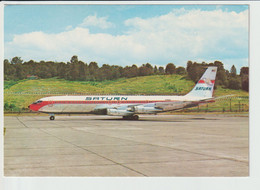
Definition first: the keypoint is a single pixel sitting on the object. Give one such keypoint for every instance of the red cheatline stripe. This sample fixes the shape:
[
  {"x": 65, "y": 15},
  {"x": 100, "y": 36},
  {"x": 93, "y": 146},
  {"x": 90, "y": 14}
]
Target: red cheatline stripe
[{"x": 202, "y": 81}]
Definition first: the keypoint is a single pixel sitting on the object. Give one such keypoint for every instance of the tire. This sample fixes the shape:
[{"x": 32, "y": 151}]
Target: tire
[
  {"x": 52, "y": 117},
  {"x": 135, "y": 117}
]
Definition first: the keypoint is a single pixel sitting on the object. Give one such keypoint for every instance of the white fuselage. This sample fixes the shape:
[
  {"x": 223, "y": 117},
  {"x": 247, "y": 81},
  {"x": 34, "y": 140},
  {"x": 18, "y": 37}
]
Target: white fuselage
[{"x": 93, "y": 103}]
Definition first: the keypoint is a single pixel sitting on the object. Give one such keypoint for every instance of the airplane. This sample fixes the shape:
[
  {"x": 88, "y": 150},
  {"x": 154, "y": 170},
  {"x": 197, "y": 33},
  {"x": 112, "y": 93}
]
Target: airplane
[{"x": 128, "y": 106}]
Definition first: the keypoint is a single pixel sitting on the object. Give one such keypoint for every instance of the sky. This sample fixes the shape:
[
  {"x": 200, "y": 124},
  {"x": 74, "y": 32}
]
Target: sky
[{"x": 128, "y": 34}]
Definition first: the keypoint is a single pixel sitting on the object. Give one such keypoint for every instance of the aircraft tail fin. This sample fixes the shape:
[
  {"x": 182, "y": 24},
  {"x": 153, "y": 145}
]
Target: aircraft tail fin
[{"x": 205, "y": 86}]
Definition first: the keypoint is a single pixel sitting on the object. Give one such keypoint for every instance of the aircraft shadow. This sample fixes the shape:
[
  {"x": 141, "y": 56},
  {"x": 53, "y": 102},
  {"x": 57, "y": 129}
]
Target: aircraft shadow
[
  {"x": 153, "y": 120},
  {"x": 140, "y": 120}
]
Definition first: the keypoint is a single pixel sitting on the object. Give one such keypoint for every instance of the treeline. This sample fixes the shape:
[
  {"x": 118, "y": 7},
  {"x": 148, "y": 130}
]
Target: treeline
[
  {"x": 16, "y": 69},
  {"x": 77, "y": 70}
]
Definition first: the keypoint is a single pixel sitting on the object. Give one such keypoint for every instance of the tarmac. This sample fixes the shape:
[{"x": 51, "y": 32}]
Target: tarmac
[{"x": 156, "y": 145}]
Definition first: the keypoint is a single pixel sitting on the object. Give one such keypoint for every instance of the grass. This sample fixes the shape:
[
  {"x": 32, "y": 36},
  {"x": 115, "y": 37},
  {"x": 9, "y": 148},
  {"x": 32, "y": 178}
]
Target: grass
[
  {"x": 8, "y": 84},
  {"x": 32, "y": 90},
  {"x": 223, "y": 91}
]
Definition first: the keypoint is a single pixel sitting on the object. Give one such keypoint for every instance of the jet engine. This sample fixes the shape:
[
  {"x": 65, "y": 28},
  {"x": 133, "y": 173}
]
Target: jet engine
[
  {"x": 118, "y": 112},
  {"x": 144, "y": 109}
]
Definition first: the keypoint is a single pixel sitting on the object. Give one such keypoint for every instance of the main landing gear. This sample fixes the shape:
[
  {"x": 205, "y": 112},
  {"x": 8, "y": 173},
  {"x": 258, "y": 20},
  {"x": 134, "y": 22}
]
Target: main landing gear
[
  {"x": 52, "y": 117},
  {"x": 131, "y": 117}
]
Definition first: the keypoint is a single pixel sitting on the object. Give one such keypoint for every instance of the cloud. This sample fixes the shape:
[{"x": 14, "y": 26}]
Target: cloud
[
  {"x": 199, "y": 33},
  {"x": 175, "y": 37},
  {"x": 68, "y": 27},
  {"x": 79, "y": 41},
  {"x": 100, "y": 22}
]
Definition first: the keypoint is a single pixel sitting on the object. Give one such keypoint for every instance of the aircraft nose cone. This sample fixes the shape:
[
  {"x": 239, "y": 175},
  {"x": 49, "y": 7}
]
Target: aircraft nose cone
[
  {"x": 34, "y": 107},
  {"x": 31, "y": 107}
]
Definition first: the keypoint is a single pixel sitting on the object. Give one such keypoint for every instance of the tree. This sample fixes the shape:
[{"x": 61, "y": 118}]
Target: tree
[
  {"x": 222, "y": 77},
  {"x": 145, "y": 70},
  {"x": 134, "y": 71},
  {"x": 244, "y": 71},
  {"x": 234, "y": 83},
  {"x": 244, "y": 74},
  {"x": 194, "y": 71},
  {"x": 149, "y": 68},
  {"x": 82, "y": 70},
  {"x": 233, "y": 71},
  {"x": 127, "y": 72},
  {"x": 6, "y": 61},
  {"x": 105, "y": 73},
  {"x": 155, "y": 70},
  {"x": 161, "y": 70},
  {"x": 130, "y": 71},
  {"x": 74, "y": 59},
  {"x": 61, "y": 70},
  {"x": 93, "y": 67},
  {"x": 9, "y": 70},
  {"x": 44, "y": 72},
  {"x": 93, "y": 70},
  {"x": 16, "y": 60},
  {"x": 73, "y": 73},
  {"x": 180, "y": 71},
  {"x": 20, "y": 72},
  {"x": 51, "y": 69},
  {"x": 116, "y": 71},
  {"x": 170, "y": 68},
  {"x": 189, "y": 65},
  {"x": 245, "y": 84}
]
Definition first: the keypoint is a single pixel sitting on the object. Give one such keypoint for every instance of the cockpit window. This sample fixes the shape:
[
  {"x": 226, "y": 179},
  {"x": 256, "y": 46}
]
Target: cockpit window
[{"x": 37, "y": 102}]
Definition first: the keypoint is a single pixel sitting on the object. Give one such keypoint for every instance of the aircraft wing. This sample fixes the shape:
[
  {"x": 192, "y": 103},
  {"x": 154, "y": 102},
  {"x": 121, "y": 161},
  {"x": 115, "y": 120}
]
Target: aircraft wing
[
  {"x": 157, "y": 106},
  {"x": 154, "y": 107},
  {"x": 170, "y": 106}
]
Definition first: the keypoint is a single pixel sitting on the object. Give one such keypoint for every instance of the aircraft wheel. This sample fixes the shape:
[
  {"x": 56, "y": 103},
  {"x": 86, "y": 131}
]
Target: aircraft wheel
[
  {"x": 135, "y": 117},
  {"x": 52, "y": 117}
]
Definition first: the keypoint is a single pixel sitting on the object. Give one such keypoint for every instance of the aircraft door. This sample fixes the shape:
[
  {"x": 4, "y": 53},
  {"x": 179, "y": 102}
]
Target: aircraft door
[{"x": 51, "y": 102}]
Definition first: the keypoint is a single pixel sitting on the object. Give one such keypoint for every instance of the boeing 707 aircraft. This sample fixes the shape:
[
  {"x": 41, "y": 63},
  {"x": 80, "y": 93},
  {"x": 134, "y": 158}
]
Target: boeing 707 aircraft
[{"x": 128, "y": 106}]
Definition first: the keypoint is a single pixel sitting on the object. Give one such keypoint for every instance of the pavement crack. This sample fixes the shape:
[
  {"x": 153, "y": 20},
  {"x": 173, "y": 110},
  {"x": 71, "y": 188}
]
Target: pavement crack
[{"x": 22, "y": 122}]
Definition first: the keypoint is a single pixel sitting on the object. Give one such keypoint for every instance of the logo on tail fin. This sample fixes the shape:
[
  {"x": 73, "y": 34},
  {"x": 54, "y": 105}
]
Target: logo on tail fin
[{"x": 207, "y": 81}]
